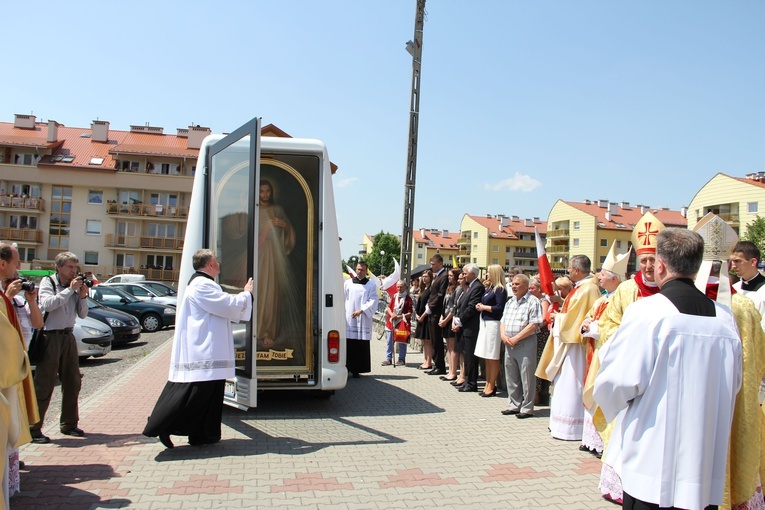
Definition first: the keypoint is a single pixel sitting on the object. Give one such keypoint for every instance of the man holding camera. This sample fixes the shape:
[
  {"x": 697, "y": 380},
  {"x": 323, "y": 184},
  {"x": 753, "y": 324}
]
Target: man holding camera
[{"x": 62, "y": 298}]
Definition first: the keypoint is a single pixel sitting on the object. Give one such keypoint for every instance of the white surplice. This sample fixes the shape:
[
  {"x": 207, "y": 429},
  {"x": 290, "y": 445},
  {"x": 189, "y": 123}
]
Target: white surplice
[
  {"x": 364, "y": 298},
  {"x": 203, "y": 344},
  {"x": 672, "y": 379}
]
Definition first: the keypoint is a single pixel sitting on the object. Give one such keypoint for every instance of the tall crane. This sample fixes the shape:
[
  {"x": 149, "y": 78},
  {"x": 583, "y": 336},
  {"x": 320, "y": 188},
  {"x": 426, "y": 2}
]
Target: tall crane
[{"x": 415, "y": 49}]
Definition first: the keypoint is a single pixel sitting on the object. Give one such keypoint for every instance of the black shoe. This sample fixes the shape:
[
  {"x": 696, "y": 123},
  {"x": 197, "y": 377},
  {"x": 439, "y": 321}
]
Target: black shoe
[
  {"x": 522, "y": 416},
  {"x": 164, "y": 438},
  {"x": 40, "y": 438},
  {"x": 355, "y": 375},
  {"x": 507, "y": 412},
  {"x": 203, "y": 441},
  {"x": 583, "y": 448},
  {"x": 22, "y": 465},
  {"x": 436, "y": 371},
  {"x": 74, "y": 431},
  {"x": 494, "y": 392},
  {"x": 467, "y": 387}
]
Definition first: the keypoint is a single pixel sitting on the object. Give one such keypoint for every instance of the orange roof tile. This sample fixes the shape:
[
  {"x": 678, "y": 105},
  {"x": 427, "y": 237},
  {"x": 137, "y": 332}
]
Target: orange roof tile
[
  {"x": 154, "y": 150},
  {"x": 437, "y": 237},
  {"x": 747, "y": 180},
  {"x": 626, "y": 218},
  {"x": 512, "y": 228}
]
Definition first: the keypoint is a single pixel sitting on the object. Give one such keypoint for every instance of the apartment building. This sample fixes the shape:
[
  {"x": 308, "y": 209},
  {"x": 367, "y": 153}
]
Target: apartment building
[
  {"x": 735, "y": 199},
  {"x": 117, "y": 199},
  {"x": 589, "y": 228},
  {"x": 498, "y": 239},
  {"x": 429, "y": 241}
]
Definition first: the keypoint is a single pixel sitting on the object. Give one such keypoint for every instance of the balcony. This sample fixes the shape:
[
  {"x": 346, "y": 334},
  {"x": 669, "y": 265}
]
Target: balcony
[
  {"x": 24, "y": 235},
  {"x": 149, "y": 210},
  {"x": 560, "y": 266},
  {"x": 559, "y": 232},
  {"x": 560, "y": 248},
  {"x": 532, "y": 254},
  {"x": 104, "y": 272},
  {"x": 26, "y": 203},
  {"x": 463, "y": 240},
  {"x": 143, "y": 242}
]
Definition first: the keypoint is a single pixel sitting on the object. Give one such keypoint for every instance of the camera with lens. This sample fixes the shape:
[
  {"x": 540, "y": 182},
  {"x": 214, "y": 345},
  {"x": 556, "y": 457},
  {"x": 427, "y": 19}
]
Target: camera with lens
[
  {"x": 87, "y": 281},
  {"x": 26, "y": 285}
]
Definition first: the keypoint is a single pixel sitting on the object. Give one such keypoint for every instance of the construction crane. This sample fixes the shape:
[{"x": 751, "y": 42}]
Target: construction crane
[{"x": 415, "y": 49}]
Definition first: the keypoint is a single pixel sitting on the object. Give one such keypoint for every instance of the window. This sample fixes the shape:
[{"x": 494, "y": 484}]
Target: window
[
  {"x": 95, "y": 197},
  {"x": 165, "y": 168},
  {"x": 618, "y": 244},
  {"x": 753, "y": 207},
  {"x": 93, "y": 227},
  {"x": 602, "y": 259},
  {"x": 419, "y": 255},
  {"x": 60, "y": 217},
  {"x": 576, "y": 243},
  {"x": 29, "y": 190},
  {"x": 507, "y": 249},
  {"x": 96, "y": 161},
  {"x": 576, "y": 225},
  {"x": 165, "y": 261},
  {"x": 91, "y": 257},
  {"x": 604, "y": 242},
  {"x": 161, "y": 230},
  {"x": 495, "y": 249},
  {"x": 26, "y": 254},
  {"x": 22, "y": 221},
  {"x": 419, "y": 245},
  {"x": 475, "y": 260},
  {"x": 494, "y": 261},
  {"x": 125, "y": 260},
  {"x": 475, "y": 235}
]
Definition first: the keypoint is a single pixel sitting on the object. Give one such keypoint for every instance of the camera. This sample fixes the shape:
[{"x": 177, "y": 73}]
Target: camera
[
  {"x": 87, "y": 281},
  {"x": 26, "y": 285}
]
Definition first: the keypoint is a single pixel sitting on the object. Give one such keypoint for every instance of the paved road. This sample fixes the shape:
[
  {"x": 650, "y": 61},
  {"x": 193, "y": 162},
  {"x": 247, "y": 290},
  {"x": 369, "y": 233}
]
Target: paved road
[{"x": 396, "y": 438}]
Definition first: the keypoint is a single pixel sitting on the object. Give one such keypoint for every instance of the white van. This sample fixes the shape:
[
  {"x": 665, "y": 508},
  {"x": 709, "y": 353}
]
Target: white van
[{"x": 266, "y": 207}]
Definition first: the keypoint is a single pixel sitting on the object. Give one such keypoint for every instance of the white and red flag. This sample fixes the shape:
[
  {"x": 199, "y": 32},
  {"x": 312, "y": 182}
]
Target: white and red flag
[
  {"x": 389, "y": 282},
  {"x": 545, "y": 273}
]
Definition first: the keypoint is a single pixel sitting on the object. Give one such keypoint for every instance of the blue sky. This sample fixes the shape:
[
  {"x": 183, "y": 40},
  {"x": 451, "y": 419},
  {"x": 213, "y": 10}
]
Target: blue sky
[{"x": 522, "y": 102}]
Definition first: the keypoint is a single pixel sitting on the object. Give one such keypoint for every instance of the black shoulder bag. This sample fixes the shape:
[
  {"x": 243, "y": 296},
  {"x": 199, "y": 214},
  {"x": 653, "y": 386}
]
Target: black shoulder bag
[{"x": 37, "y": 343}]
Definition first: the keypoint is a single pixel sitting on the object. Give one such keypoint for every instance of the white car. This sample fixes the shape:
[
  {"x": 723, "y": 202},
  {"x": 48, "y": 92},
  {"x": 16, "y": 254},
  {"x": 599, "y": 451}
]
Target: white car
[
  {"x": 127, "y": 277},
  {"x": 94, "y": 338}
]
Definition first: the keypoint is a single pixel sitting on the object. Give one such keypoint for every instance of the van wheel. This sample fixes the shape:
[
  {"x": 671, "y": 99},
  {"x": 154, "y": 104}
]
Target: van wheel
[{"x": 151, "y": 322}]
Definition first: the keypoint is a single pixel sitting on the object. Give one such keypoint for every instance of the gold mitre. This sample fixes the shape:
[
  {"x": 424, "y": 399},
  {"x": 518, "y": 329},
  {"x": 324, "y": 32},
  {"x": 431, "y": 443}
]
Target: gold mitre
[
  {"x": 719, "y": 240},
  {"x": 719, "y": 237},
  {"x": 617, "y": 264},
  {"x": 644, "y": 234}
]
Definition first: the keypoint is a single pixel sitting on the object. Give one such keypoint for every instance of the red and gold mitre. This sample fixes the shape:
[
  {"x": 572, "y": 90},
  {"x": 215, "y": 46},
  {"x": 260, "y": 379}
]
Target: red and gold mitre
[{"x": 644, "y": 234}]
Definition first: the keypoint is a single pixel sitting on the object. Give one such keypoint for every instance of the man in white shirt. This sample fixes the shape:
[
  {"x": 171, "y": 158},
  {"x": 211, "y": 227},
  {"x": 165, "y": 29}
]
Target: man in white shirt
[{"x": 669, "y": 376}]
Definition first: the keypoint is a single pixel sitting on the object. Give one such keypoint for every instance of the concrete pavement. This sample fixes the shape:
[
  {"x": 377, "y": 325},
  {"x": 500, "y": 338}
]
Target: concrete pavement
[{"x": 395, "y": 438}]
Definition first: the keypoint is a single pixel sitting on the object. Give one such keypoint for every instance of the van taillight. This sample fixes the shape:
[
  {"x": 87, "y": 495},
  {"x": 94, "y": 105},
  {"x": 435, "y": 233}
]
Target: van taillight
[{"x": 333, "y": 346}]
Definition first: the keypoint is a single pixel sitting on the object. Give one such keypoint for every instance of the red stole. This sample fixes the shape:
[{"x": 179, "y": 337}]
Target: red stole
[
  {"x": 643, "y": 289},
  {"x": 711, "y": 290}
]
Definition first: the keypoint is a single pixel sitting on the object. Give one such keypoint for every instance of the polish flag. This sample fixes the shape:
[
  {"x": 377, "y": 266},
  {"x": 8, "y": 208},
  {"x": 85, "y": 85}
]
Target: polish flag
[
  {"x": 389, "y": 283},
  {"x": 545, "y": 273}
]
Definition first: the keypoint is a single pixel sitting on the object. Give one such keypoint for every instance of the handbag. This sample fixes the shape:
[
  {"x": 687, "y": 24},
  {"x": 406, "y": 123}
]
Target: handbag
[
  {"x": 36, "y": 346},
  {"x": 402, "y": 331},
  {"x": 37, "y": 343}
]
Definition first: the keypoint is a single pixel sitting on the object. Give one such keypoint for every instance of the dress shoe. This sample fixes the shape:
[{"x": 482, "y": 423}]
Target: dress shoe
[
  {"x": 457, "y": 383},
  {"x": 386, "y": 363},
  {"x": 466, "y": 388},
  {"x": 507, "y": 412},
  {"x": 583, "y": 448},
  {"x": 436, "y": 371},
  {"x": 22, "y": 465},
  {"x": 40, "y": 438},
  {"x": 74, "y": 431},
  {"x": 164, "y": 438},
  {"x": 444, "y": 378},
  {"x": 522, "y": 416},
  {"x": 401, "y": 362},
  {"x": 493, "y": 392}
]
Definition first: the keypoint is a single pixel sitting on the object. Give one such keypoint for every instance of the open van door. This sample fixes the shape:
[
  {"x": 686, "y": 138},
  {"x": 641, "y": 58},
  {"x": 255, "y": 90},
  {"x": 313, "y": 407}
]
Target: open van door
[{"x": 233, "y": 174}]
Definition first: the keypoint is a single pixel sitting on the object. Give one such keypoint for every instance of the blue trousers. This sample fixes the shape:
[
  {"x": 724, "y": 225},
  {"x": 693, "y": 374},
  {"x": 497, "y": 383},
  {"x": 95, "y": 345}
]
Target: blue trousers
[{"x": 401, "y": 348}]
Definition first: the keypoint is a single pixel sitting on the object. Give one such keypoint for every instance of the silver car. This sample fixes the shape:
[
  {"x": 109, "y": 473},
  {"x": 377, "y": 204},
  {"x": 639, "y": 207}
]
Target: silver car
[
  {"x": 152, "y": 292},
  {"x": 94, "y": 338}
]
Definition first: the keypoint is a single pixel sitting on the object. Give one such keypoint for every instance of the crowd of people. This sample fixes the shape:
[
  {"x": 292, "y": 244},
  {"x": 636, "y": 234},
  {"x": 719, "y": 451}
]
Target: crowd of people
[{"x": 658, "y": 374}]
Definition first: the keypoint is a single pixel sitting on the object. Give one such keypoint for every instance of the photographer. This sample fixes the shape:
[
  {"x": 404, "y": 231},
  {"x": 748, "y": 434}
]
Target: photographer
[
  {"x": 23, "y": 295},
  {"x": 63, "y": 303}
]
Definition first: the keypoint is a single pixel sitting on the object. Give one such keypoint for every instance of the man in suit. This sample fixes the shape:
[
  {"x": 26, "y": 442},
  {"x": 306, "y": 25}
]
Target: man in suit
[
  {"x": 466, "y": 323},
  {"x": 434, "y": 308}
]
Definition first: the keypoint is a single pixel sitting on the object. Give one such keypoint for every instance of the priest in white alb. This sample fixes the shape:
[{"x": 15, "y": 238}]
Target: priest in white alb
[
  {"x": 360, "y": 307},
  {"x": 671, "y": 373}
]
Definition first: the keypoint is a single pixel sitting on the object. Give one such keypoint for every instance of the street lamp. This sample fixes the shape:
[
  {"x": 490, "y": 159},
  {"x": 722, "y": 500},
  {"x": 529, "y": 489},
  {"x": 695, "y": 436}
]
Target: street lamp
[{"x": 382, "y": 254}]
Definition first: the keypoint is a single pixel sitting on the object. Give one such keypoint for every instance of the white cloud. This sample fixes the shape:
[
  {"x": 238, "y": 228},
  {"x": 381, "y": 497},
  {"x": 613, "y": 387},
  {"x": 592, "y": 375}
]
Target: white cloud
[
  {"x": 344, "y": 183},
  {"x": 518, "y": 182}
]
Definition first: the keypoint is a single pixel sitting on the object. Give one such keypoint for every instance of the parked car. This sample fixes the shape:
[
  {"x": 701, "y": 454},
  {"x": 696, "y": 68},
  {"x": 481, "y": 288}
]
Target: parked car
[
  {"x": 149, "y": 292},
  {"x": 127, "y": 277},
  {"x": 94, "y": 338},
  {"x": 124, "y": 326},
  {"x": 152, "y": 316}
]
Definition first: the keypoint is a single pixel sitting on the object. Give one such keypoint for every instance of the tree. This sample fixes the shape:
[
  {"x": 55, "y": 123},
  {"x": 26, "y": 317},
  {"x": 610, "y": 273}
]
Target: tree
[
  {"x": 755, "y": 232},
  {"x": 391, "y": 245}
]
